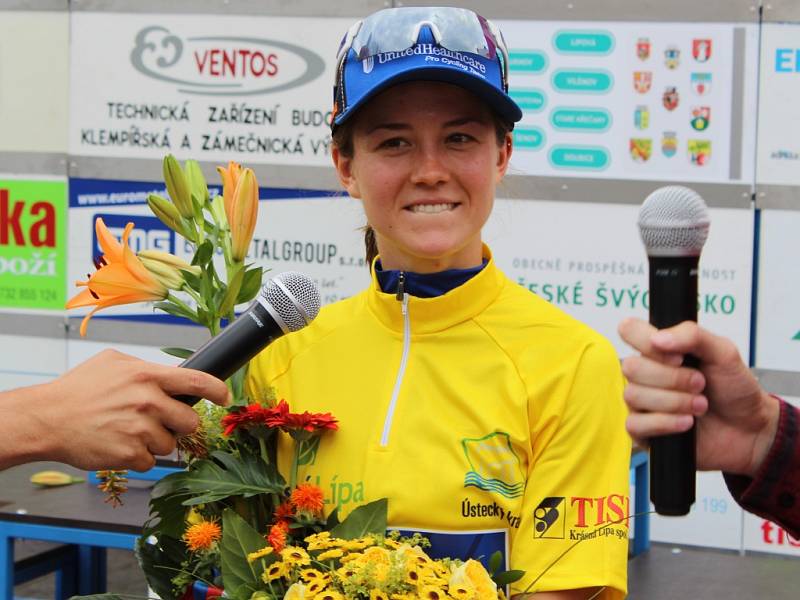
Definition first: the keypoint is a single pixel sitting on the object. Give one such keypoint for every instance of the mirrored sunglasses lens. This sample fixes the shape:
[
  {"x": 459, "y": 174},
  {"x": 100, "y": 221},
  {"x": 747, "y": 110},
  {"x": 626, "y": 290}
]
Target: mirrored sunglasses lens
[{"x": 395, "y": 30}]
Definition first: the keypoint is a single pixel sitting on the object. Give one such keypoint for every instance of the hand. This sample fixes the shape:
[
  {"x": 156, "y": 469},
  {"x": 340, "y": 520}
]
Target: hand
[
  {"x": 736, "y": 419},
  {"x": 115, "y": 411}
]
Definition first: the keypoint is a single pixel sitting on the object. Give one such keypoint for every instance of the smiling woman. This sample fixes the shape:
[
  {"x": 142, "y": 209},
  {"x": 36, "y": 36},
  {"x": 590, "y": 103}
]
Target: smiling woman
[{"x": 454, "y": 386}]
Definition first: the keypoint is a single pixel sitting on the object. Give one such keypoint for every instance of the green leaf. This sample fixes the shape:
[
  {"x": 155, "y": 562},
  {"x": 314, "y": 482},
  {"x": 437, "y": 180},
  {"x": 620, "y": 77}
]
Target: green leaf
[
  {"x": 175, "y": 310},
  {"x": 160, "y": 561},
  {"x": 192, "y": 280},
  {"x": 225, "y": 476},
  {"x": 508, "y": 577},
  {"x": 250, "y": 285},
  {"x": 99, "y": 597},
  {"x": 204, "y": 253},
  {"x": 369, "y": 518},
  {"x": 495, "y": 560},
  {"x": 307, "y": 451},
  {"x": 179, "y": 352},
  {"x": 238, "y": 540},
  {"x": 167, "y": 512},
  {"x": 234, "y": 285},
  {"x": 333, "y": 519}
]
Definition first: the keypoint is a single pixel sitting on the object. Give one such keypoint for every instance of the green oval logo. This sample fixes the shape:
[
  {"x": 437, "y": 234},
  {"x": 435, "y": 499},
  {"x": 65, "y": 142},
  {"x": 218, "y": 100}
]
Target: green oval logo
[
  {"x": 581, "y": 119},
  {"x": 527, "y": 61},
  {"x": 528, "y": 138},
  {"x": 582, "y": 158},
  {"x": 529, "y": 99},
  {"x": 583, "y": 81},
  {"x": 578, "y": 41}
]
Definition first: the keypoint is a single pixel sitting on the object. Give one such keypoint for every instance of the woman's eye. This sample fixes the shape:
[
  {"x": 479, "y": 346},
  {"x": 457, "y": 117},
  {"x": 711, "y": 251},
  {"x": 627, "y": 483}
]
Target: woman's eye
[
  {"x": 392, "y": 143},
  {"x": 459, "y": 138}
]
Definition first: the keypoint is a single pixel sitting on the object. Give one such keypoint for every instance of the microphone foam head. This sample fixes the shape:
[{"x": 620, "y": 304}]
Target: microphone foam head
[
  {"x": 294, "y": 297},
  {"x": 673, "y": 221}
]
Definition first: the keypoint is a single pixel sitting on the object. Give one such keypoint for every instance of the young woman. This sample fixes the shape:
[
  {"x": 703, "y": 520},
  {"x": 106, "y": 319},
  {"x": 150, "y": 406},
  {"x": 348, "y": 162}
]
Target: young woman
[{"x": 486, "y": 416}]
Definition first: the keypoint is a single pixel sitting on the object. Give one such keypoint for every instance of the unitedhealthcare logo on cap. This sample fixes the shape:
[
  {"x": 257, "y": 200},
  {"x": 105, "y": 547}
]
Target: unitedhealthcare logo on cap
[{"x": 368, "y": 64}]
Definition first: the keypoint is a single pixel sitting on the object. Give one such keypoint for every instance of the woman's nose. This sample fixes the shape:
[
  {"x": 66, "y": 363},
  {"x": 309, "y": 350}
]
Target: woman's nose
[{"x": 429, "y": 167}]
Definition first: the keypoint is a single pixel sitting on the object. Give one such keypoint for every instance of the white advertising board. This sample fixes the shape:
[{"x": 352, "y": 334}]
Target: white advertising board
[
  {"x": 715, "y": 520},
  {"x": 588, "y": 259},
  {"x": 650, "y": 101},
  {"x": 245, "y": 88},
  {"x": 28, "y": 360},
  {"x": 585, "y": 258},
  {"x": 614, "y": 100},
  {"x": 779, "y": 89},
  {"x": 778, "y": 318},
  {"x": 34, "y": 75}
]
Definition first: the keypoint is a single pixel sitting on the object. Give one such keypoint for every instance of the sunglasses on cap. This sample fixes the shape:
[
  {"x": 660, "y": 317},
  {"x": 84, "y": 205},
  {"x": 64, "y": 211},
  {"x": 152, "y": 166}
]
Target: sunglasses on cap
[{"x": 398, "y": 29}]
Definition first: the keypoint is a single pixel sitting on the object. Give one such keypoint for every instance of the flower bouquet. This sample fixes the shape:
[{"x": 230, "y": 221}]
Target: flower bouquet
[{"x": 231, "y": 521}]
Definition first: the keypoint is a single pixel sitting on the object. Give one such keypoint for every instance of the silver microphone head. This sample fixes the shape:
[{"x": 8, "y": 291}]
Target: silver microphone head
[
  {"x": 293, "y": 298},
  {"x": 673, "y": 221}
]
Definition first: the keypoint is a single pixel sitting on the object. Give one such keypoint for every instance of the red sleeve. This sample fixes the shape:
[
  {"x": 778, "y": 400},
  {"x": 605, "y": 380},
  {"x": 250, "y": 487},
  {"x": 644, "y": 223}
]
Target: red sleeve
[{"x": 774, "y": 493}]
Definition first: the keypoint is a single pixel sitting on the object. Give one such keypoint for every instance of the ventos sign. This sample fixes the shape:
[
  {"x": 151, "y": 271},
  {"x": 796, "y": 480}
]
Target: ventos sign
[{"x": 223, "y": 65}]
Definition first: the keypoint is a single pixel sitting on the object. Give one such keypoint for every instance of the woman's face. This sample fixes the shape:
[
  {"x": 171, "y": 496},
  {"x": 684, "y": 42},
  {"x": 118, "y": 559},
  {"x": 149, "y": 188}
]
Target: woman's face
[{"x": 425, "y": 164}]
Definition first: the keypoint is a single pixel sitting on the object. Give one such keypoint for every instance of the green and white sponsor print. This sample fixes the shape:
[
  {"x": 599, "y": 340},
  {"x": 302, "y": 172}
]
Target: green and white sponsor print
[{"x": 494, "y": 466}]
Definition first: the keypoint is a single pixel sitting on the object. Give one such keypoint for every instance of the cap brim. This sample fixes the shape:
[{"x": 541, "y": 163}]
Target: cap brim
[{"x": 498, "y": 101}]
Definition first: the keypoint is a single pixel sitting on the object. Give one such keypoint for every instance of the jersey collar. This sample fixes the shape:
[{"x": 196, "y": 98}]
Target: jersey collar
[{"x": 429, "y": 315}]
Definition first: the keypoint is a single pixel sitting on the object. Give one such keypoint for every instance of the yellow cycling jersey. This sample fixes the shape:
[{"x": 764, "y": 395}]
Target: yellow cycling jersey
[{"x": 489, "y": 419}]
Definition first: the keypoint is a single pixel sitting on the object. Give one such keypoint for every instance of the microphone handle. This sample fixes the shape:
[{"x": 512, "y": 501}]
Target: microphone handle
[
  {"x": 234, "y": 346},
  {"x": 673, "y": 299}
]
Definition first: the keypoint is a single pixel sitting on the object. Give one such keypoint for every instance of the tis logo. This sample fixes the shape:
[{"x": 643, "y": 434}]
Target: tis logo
[
  {"x": 549, "y": 518},
  {"x": 148, "y": 234}
]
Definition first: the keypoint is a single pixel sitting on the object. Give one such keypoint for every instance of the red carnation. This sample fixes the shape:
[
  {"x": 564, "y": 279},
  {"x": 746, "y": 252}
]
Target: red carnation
[
  {"x": 252, "y": 414},
  {"x": 281, "y": 417}
]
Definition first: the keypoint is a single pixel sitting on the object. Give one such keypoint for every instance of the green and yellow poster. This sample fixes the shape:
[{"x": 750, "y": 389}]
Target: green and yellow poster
[{"x": 33, "y": 244}]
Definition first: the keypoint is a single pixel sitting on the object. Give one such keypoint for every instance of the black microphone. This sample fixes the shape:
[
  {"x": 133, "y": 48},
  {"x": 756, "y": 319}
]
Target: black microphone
[
  {"x": 286, "y": 303},
  {"x": 673, "y": 223}
]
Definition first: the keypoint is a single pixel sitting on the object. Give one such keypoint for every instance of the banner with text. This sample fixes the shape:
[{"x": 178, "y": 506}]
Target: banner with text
[
  {"x": 779, "y": 88},
  {"x": 588, "y": 259},
  {"x": 33, "y": 243},
  {"x": 639, "y": 100},
  {"x": 209, "y": 87},
  {"x": 778, "y": 317},
  {"x": 314, "y": 232}
]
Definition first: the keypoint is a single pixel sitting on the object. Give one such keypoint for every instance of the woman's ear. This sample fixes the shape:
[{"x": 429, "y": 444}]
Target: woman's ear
[
  {"x": 504, "y": 156},
  {"x": 344, "y": 169}
]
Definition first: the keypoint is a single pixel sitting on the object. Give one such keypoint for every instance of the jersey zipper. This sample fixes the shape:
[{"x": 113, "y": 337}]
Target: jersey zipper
[{"x": 402, "y": 297}]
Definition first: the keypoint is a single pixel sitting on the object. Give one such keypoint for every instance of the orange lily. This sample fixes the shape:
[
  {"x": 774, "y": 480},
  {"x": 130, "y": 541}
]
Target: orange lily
[
  {"x": 243, "y": 214},
  {"x": 230, "y": 177},
  {"x": 121, "y": 278}
]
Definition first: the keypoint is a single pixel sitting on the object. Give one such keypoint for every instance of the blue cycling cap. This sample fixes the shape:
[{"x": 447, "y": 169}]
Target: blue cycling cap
[{"x": 396, "y": 45}]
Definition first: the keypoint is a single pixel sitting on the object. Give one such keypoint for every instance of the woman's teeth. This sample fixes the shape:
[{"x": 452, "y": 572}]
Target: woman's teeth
[{"x": 432, "y": 208}]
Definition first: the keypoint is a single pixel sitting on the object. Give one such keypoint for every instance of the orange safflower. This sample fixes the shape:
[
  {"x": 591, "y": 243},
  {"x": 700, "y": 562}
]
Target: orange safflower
[
  {"x": 309, "y": 498},
  {"x": 284, "y": 511},
  {"x": 202, "y": 535},
  {"x": 121, "y": 278},
  {"x": 277, "y": 535}
]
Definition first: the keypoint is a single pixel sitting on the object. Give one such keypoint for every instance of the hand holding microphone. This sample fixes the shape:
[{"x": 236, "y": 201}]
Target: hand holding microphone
[{"x": 286, "y": 303}]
